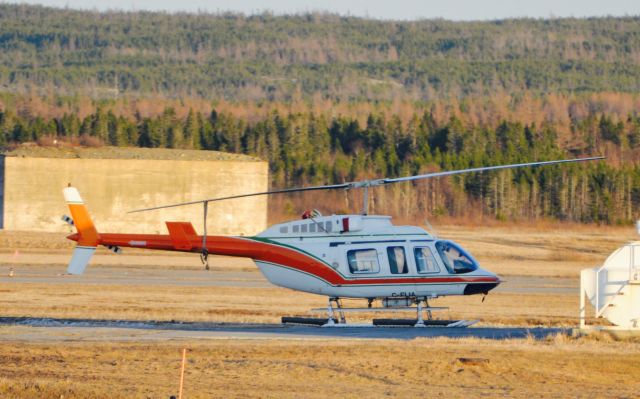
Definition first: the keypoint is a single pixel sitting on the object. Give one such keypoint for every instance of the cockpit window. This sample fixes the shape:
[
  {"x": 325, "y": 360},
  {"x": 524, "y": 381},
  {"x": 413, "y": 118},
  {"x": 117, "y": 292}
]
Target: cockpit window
[{"x": 455, "y": 258}]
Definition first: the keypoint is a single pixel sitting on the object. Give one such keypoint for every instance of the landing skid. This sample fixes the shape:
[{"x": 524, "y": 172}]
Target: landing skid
[
  {"x": 336, "y": 317},
  {"x": 425, "y": 323}
]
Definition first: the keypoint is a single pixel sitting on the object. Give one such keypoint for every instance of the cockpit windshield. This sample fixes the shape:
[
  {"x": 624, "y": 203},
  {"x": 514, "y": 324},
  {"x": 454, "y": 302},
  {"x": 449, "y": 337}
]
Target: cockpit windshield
[{"x": 455, "y": 258}]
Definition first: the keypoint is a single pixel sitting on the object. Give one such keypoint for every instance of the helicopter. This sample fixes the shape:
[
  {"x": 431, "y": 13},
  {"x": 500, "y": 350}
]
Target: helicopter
[{"x": 351, "y": 256}]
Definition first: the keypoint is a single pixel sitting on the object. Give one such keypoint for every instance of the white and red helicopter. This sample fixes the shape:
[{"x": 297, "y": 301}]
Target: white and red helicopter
[{"x": 339, "y": 256}]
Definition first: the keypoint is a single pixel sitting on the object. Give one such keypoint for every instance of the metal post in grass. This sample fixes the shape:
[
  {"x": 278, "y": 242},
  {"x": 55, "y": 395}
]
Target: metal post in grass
[{"x": 184, "y": 360}]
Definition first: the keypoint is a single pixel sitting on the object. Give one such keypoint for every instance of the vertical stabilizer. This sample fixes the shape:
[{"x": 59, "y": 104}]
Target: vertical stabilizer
[
  {"x": 88, "y": 237},
  {"x": 81, "y": 219}
]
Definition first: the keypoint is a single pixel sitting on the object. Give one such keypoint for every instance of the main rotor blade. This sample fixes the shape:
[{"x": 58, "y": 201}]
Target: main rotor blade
[
  {"x": 286, "y": 190},
  {"x": 371, "y": 183},
  {"x": 485, "y": 168}
]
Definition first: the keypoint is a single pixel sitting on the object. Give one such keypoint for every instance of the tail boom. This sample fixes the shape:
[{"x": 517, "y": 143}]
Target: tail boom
[{"x": 182, "y": 237}]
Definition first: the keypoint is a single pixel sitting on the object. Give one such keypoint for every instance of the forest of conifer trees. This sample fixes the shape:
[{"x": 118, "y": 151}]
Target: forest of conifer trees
[{"x": 306, "y": 148}]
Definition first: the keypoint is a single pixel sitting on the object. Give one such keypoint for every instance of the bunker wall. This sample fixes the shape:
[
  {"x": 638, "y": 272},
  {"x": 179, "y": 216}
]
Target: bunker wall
[{"x": 111, "y": 187}]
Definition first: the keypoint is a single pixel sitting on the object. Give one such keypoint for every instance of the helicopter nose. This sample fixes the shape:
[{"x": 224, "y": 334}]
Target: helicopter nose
[{"x": 483, "y": 285}]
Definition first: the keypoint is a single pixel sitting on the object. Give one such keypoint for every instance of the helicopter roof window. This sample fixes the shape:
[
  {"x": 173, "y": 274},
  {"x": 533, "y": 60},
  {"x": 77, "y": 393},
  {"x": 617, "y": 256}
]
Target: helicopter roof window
[
  {"x": 397, "y": 260},
  {"x": 363, "y": 261},
  {"x": 425, "y": 261},
  {"x": 455, "y": 258}
]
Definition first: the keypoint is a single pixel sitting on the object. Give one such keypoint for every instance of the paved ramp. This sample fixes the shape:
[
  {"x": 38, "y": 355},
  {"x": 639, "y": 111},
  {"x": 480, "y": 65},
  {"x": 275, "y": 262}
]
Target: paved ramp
[{"x": 53, "y": 330}]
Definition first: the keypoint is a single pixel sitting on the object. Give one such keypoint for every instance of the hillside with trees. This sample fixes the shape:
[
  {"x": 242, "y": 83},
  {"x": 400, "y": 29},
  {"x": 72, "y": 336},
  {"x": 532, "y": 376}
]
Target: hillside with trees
[
  {"x": 328, "y": 99},
  {"x": 267, "y": 57}
]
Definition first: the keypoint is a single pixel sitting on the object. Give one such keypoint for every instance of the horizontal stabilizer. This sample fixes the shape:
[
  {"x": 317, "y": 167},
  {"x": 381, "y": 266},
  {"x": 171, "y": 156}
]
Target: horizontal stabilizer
[
  {"x": 80, "y": 259},
  {"x": 182, "y": 235}
]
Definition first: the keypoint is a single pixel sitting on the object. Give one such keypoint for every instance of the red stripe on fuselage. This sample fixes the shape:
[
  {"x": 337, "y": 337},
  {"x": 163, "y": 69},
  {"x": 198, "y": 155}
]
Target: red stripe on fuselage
[{"x": 272, "y": 253}]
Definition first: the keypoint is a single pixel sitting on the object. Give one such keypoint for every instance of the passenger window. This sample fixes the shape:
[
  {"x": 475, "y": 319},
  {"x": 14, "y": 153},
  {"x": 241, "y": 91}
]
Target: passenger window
[
  {"x": 363, "y": 261},
  {"x": 312, "y": 228},
  {"x": 425, "y": 261},
  {"x": 284, "y": 229},
  {"x": 303, "y": 228},
  {"x": 327, "y": 227},
  {"x": 397, "y": 260},
  {"x": 296, "y": 228}
]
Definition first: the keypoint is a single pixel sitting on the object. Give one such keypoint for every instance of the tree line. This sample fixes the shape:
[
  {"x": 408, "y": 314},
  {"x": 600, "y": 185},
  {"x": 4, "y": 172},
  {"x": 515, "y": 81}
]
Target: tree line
[{"x": 307, "y": 148}]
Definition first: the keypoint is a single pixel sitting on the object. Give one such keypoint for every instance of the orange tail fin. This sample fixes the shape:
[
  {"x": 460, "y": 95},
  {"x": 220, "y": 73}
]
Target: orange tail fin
[{"x": 88, "y": 235}]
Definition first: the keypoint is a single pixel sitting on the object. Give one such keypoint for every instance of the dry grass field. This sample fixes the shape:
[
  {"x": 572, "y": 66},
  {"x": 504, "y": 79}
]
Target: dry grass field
[{"x": 559, "y": 366}]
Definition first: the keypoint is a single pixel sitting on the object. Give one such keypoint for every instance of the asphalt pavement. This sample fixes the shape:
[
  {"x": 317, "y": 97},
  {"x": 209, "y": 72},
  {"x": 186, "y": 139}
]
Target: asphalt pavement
[{"x": 48, "y": 329}]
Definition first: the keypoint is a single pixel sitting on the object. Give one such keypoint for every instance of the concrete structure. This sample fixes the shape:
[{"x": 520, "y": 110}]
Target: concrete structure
[{"x": 113, "y": 181}]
